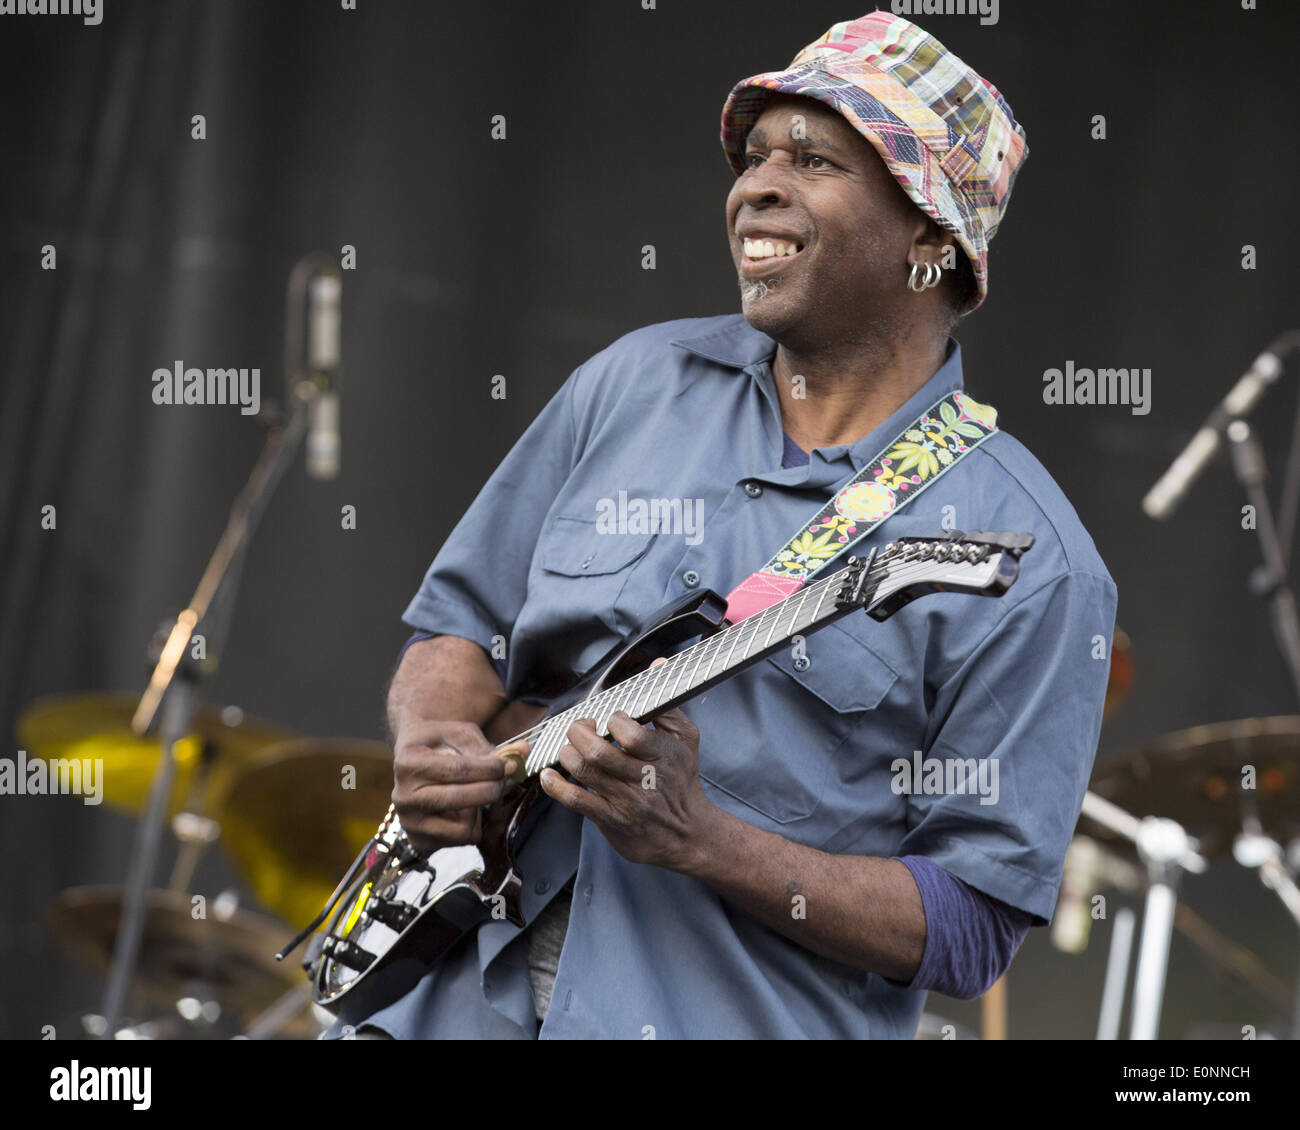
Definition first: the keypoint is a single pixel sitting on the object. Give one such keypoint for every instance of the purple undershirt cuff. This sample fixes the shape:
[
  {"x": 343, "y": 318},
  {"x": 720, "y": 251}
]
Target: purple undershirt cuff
[{"x": 970, "y": 937}]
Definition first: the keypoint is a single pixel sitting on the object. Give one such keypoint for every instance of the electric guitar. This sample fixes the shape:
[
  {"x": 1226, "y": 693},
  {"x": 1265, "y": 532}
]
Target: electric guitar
[{"x": 398, "y": 909}]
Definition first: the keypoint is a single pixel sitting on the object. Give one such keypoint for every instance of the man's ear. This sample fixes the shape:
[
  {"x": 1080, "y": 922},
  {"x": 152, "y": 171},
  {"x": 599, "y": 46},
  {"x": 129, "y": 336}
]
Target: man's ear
[{"x": 934, "y": 238}]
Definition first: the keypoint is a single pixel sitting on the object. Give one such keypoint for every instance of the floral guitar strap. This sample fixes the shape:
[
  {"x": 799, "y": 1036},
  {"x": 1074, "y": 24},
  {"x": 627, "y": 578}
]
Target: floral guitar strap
[{"x": 948, "y": 430}]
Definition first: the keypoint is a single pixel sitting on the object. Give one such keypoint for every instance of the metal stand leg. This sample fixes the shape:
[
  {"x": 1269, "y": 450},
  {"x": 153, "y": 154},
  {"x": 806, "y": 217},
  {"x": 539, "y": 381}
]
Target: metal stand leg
[
  {"x": 1153, "y": 960},
  {"x": 1112, "y": 994},
  {"x": 178, "y": 712},
  {"x": 1255, "y": 850},
  {"x": 1167, "y": 851}
]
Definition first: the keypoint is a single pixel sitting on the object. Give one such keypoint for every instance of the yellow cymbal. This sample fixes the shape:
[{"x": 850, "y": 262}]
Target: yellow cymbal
[
  {"x": 98, "y": 727},
  {"x": 296, "y": 815}
]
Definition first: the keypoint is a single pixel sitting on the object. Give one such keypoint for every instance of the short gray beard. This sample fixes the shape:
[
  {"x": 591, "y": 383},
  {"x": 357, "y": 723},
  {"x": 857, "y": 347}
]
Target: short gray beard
[{"x": 752, "y": 291}]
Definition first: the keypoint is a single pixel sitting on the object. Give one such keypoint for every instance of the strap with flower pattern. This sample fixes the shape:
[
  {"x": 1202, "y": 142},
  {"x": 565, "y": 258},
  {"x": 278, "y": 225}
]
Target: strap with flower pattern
[{"x": 949, "y": 429}]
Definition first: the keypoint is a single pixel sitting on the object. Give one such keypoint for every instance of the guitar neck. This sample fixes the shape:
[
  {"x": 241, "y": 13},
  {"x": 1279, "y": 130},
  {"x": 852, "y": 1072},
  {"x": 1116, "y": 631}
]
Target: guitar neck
[
  {"x": 975, "y": 562},
  {"x": 697, "y": 668}
]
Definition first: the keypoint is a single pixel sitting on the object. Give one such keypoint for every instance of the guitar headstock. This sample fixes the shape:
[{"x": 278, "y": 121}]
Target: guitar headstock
[{"x": 986, "y": 564}]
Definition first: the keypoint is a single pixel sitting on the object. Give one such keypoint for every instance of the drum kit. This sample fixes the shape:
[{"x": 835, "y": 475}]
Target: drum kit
[
  {"x": 1229, "y": 790},
  {"x": 289, "y": 813}
]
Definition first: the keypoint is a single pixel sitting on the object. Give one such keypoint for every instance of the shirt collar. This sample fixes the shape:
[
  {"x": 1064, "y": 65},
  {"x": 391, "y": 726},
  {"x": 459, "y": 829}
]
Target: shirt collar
[
  {"x": 738, "y": 345},
  {"x": 735, "y": 344}
]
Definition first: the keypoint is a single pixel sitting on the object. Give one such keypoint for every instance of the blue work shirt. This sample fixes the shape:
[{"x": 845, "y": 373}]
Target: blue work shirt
[{"x": 687, "y": 410}]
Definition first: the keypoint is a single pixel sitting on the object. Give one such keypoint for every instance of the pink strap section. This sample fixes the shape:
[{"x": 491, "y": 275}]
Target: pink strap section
[{"x": 756, "y": 592}]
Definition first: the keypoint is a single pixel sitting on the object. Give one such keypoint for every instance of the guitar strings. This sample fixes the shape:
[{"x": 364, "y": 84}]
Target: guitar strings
[
  {"x": 674, "y": 667},
  {"x": 540, "y": 757}
]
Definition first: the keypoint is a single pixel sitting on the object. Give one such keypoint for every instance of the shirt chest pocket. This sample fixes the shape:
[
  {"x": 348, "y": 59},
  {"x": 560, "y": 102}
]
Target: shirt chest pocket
[
  {"x": 579, "y": 574},
  {"x": 782, "y": 723}
]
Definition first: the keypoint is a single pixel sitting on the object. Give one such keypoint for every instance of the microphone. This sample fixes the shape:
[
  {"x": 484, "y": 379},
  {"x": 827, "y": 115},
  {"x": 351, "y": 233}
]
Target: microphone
[
  {"x": 324, "y": 295},
  {"x": 1163, "y": 498}
]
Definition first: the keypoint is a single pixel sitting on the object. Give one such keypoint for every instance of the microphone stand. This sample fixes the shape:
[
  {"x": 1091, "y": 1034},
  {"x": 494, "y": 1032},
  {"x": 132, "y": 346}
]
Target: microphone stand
[
  {"x": 173, "y": 686},
  {"x": 1270, "y": 581},
  {"x": 1252, "y": 848}
]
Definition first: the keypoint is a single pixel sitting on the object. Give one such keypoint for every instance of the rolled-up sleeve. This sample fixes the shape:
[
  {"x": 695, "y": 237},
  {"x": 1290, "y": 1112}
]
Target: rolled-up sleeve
[
  {"x": 478, "y": 580},
  {"x": 1018, "y": 723}
]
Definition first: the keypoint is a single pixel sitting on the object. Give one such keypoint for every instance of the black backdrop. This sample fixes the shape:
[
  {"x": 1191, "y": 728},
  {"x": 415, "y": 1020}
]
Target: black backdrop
[{"x": 522, "y": 257}]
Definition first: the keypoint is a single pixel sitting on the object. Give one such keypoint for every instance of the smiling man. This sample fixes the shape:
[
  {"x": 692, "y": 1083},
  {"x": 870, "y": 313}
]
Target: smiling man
[
  {"x": 815, "y": 213},
  {"x": 775, "y": 881}
]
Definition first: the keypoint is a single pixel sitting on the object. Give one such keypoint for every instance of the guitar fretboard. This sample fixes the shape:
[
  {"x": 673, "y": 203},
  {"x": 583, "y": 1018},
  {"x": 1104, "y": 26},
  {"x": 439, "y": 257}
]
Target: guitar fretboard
[{"x": 694, "y": 669}]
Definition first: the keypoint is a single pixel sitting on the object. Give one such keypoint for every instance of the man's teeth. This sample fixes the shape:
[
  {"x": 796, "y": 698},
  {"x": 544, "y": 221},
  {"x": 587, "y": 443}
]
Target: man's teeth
[{"x": 766, "y": 248}]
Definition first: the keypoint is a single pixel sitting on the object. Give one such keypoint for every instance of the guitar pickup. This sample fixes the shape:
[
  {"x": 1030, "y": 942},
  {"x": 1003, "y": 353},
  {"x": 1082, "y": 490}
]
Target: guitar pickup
[{"x": 393, "y": 913}]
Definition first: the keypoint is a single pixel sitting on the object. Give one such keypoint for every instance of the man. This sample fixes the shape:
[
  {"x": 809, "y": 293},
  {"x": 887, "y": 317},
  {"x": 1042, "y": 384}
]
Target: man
[{"x": 776, "y": 881}]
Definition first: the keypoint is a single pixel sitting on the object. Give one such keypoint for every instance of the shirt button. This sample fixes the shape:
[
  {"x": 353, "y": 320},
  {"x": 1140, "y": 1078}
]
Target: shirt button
[
  {"x": 588, "y": 560},
  {"x": 691, "y": 578},
  {"x": 586, "y": 894},
  {"x": 754, "y": 490},
  {"x": 802, "y": 663},
  {"x": 542, "y": 886}
]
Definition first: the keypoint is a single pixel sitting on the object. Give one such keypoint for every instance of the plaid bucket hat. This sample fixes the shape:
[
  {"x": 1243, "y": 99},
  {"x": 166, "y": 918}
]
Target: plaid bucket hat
[{"x": 945, "y": 133}]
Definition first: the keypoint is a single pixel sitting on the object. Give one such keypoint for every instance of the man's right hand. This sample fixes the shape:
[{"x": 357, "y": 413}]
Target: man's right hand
[{"x": 444, "y": 772}]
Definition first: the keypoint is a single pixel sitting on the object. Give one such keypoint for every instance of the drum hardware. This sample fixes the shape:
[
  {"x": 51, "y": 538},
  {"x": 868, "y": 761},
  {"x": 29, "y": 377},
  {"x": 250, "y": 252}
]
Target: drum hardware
[
  {"x": 1117, "y": 961},
  {"x": 194, "y": 833},
  {"x": 1198, "y": 778},
  {"x": 274, "y": 1019},
  {"x": 1167, "y": 851},
  {"x": 165, "y": 1027},
  {"x": 210, "y": 973},
  {"x": 1254, "y": 850},
  {"x": 1213, "y": 779}
]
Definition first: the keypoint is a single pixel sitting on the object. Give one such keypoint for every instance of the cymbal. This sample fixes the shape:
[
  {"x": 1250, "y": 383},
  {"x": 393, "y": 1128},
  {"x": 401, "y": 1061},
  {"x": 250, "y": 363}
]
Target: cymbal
[
  {"x": 1196, "y": 777},
  {"x": 98, "y": 726},
  {"x": 229, "y": 960},
  {"x": 296, "y": 815}
]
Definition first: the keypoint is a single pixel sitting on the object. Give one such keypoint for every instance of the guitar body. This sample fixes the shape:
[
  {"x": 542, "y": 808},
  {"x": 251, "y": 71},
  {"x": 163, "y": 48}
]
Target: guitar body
[
  {"x": 398, "y": 910},
  {"x": 408, "y": 909}
]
